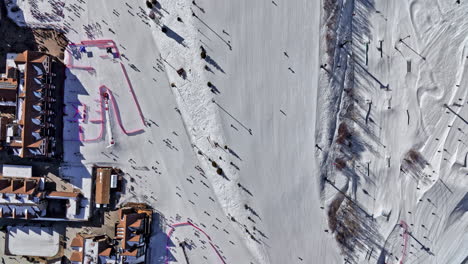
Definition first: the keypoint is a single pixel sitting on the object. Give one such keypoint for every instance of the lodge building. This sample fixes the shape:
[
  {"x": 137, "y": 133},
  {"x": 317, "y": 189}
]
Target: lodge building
[{"x": 28, "y": 91}]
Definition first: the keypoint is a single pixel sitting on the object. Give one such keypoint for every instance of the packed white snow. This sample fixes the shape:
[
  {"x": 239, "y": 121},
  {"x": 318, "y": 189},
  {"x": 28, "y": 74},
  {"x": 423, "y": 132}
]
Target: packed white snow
[
  {"x": 32, "y": 241},
  {"x": 262, "y": 108}
]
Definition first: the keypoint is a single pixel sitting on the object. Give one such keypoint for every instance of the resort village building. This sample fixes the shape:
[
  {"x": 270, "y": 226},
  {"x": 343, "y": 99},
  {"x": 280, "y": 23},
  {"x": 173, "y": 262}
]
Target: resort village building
[
  {"x": 92, "y": 250},
  {"x": 28, "y": 93},
  {"x": 25, "y": 197},
  {"x": 132, "y": 230}
]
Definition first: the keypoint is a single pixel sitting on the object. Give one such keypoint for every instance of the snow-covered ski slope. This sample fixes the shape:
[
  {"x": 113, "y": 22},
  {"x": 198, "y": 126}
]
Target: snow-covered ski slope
[
  {"x": 397, "y": 123},
  {"x": 263, "y": 61},
  {"x": 271, "y": 120}
]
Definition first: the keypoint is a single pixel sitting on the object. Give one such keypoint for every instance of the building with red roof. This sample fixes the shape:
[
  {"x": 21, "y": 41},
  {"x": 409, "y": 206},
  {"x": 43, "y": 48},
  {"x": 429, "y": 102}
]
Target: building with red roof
[
  {"x": 27, "y": 198},
  {"x": 133, "y": 229},
  {"x": 28, "y": 97},
  {"x": 92, "y": 249}
]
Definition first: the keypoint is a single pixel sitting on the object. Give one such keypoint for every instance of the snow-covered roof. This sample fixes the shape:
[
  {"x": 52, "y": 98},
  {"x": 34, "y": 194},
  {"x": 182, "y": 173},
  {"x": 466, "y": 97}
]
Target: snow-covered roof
[
  {"x": 17, "y": 171},
  {"x": 33, "y": 241},
  {"x": 38, "y": 94},
  {"x": 38, "y": 70}
]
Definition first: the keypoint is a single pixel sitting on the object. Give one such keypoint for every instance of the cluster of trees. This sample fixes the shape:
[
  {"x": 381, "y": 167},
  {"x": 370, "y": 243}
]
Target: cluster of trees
[
  {"x": 414, "y": 157},
  {"x": 218, "y": 169},
  {"x": 203, "y": 52},
  {"x": 344, "y": 134},
  {"x": 151, "y": 3},
  {"x": 15, "y": 8},
  {"x": 331, "y": 13},
  {"x": 343, "y": 220},
  {"x": 333, "y": 210},
  {"x": 348, "y": 228}
]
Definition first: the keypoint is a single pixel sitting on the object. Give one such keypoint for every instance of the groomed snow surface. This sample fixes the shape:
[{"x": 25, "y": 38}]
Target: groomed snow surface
[
  {"x": 395, "y": 139},
  {"x": 270, "y": 120},
  {"x": 32, "y": 241}
]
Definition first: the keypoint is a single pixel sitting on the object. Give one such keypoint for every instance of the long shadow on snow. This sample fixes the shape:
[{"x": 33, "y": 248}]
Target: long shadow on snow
[
  {"x": 157, "y": 251},
  {"x": 355, "y": 229},
  {"x": 341, "y": 71},
  {"x": 173, "y": 35},
  {"x": 348, "y": 66},
  {"x": 213, "y": 63},
  {"x": 73, "y": 88},
  {"x": 343, "y": 68}
]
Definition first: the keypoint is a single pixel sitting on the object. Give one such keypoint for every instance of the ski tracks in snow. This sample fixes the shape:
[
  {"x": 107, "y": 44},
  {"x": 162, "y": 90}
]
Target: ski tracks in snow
[{"x": 199, "y": 112}]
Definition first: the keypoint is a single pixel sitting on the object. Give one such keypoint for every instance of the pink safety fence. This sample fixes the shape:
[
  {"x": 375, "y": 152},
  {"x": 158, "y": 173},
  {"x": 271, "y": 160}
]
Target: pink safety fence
[
  {"x": 105, "y": 43},
  {"x": 404, "y": 225},
  {"x": 102, "y": 44}
]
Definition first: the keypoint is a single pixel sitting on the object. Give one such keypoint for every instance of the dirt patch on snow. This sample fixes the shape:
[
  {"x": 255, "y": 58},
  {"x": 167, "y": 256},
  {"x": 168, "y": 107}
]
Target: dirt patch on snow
[{"x": 17, "y": 39}]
